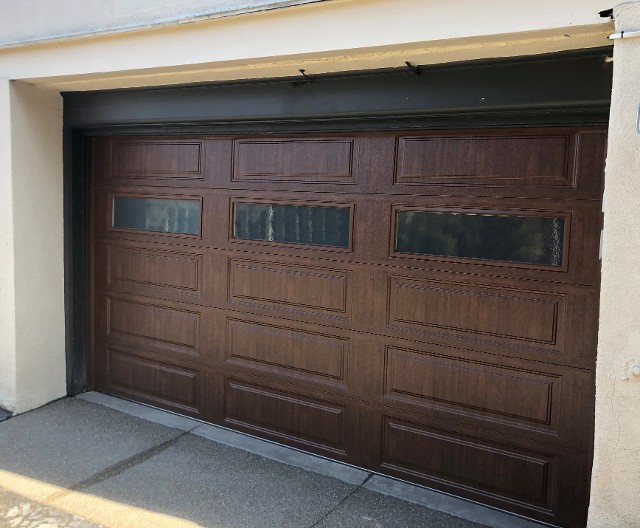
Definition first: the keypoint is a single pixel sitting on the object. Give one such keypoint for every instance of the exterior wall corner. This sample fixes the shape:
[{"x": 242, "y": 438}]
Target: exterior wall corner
[
  {"x": 615, "y": 485},
  {"x": 7, "y": 291},
  {"x": 36, "y": 175}
]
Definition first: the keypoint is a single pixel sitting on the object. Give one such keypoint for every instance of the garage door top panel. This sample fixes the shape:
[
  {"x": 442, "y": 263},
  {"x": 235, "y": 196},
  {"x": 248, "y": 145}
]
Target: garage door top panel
[{"x": 549, "y": 163}]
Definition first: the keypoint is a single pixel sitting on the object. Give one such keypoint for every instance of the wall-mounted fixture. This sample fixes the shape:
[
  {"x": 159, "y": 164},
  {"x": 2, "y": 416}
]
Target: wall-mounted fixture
[{"x": 625, "y": 34}]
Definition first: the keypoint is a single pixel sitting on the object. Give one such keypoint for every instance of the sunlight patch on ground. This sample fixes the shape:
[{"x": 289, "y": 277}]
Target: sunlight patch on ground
[{"x": 98, "y": 510}]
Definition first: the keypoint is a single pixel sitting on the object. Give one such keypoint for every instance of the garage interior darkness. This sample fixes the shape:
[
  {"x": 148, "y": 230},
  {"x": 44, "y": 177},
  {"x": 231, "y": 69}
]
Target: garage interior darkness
[{"x": 398, "y": 269}]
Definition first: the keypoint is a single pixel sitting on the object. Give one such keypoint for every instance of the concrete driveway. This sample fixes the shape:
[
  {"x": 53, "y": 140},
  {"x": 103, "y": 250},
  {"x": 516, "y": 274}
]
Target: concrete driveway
[{"x": 95, "y": 460}]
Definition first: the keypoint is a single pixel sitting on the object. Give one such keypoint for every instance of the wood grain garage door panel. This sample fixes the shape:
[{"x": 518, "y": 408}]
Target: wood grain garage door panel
[
  {"x": 477, "y": 160},
  {"x": 420, "y": 303},
  {"x": 508, "y": 393},
  {"x": 467, "y": 461},
  {"x": 152, "y": 380},
  {"x": 265, "y": 347},
  {"x": 316, "y": 160},
  {"x": 154, "y": 270},
  {"x": 144, "y": 159},
  {"x": 152, "y": 324},
  {"x": 560, "y": 162},
  {"x": 158, "y": 270},
  {"x": 289, "y": 288},
  {"x": 517, "y": 398},
  {"x": 503, "y": 313},
  {"x": 285, "y": 415},
  {"x": 483, "y": 313}
]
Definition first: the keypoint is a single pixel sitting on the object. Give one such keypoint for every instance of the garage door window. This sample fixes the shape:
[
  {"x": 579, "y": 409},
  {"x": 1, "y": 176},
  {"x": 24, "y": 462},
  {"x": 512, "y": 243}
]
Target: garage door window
[
  {"x": 523, "y": 239},
  {"x": 296, "y": 224},
  {"x": 157, "y": 214}
]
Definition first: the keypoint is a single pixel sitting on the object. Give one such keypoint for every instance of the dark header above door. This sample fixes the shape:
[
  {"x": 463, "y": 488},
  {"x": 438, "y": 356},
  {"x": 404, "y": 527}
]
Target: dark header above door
[{"x": 550, "y": 89}]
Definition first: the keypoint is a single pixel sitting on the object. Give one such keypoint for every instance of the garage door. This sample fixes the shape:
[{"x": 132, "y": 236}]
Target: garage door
[{"x": 421, "y": 304}]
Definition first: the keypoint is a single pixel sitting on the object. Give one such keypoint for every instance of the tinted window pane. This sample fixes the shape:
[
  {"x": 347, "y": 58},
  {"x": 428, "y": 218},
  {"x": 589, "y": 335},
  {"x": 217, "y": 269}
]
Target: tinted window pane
[
  {"x": 314, "y": 225},
  {"x": 156, "y": 214},
  {"x": 528, "y": 239}
]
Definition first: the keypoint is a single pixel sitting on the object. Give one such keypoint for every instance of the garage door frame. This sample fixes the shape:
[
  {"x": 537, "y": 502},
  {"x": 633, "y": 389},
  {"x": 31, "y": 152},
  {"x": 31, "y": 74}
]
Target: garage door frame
[
  {"x": 153, "y": 112},
  {"x": 557, "y": 89}
]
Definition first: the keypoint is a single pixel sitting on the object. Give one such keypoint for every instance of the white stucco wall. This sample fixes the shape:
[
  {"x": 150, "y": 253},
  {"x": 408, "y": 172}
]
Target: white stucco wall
[{"x": 615, "y": 491}]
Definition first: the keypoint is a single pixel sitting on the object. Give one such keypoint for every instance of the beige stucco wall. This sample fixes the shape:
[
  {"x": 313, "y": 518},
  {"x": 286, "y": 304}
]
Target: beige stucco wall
[
  {"x": 37, "y": 186},
  {"x": 30, "y": 21},
  {"x": 615, "y": 492},
  {"x": 7, "y": 290},
  {"x": 335, "y": 35},
  {"x": 32, "y": 336}
]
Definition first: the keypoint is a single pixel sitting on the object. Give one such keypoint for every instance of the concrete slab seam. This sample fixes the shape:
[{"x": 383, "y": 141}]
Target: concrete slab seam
[
  {"x": 222, "y": 435},
  {"x": 327, "y": 514},
  {"x": 116, "y": 469}
]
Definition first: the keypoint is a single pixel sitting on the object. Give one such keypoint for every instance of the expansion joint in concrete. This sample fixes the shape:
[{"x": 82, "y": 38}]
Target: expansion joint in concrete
[
  {"x": 116, "y": 469},
  {"x": 353, "y": 492}
]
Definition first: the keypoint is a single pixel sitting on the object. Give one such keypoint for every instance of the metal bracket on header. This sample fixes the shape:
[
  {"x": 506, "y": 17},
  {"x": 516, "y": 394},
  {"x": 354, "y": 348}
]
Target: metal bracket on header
[
  {"x": 307, "y": 79},
  {"x": 415, "y": 69}
]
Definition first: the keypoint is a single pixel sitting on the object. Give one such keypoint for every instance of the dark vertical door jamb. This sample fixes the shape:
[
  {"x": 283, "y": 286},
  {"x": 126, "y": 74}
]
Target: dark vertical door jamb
[{"x": 75, "y": 242}]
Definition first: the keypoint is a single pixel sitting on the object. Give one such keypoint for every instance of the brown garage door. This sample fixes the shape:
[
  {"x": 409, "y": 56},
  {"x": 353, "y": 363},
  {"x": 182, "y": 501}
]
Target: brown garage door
[{"x": 422, "y": 304}]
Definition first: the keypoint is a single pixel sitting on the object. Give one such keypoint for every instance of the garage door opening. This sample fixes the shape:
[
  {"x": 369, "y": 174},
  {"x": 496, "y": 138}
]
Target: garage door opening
[{"x": 423, "y": 304}]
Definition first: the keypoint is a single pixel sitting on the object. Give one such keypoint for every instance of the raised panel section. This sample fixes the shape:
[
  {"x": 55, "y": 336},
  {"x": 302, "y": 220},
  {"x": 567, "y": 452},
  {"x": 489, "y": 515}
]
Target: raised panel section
[
  {"x": 152, "y": 380},
  {"x": 300, "y": 160},
  {"x": 157, "y": 270},
  {"x": 291, "y": 288},
  {"x": 476, "y": 160},
  {"x": 500, "y": 312},
  {"x": 285, "y": 415},
  {"x": 304, "y": 354},
  {"x": 157, "y": 159},
  {"x": 473, "y": 388},
  {"x": 468, "y": 462},
  {"x": 160, "y": 326}
]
